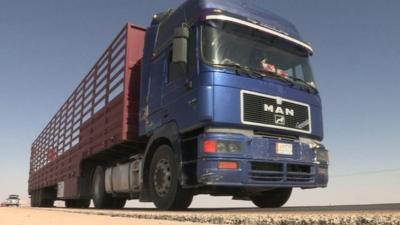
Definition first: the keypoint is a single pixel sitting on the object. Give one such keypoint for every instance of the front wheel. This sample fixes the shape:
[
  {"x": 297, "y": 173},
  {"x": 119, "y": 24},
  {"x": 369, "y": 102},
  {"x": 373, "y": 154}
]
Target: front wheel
[
  {"x": 272, "y": 199},
  {"x": 165, "y": 190}
]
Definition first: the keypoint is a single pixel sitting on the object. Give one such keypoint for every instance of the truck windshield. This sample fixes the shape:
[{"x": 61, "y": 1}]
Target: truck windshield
[{"x": 232, "y": 45}]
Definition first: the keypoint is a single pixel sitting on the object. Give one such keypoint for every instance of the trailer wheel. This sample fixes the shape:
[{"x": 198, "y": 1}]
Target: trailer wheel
[
  {"x": 101, "y": 199},
  {"x": 118, "y": 203},
  {"x": 165, "y": 190},
  {"x": 77, "y": 203},
  {"x": 33, "y": 199},
  {"x": 39, "y": 199},
  {"x": 46, "y": 203},
  {"x": 272, "y": 199}
]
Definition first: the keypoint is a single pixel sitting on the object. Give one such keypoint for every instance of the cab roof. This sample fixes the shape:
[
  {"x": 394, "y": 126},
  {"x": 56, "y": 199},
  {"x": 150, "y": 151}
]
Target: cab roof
[
  {"x": 241, "y": 8},
  {"x": 193, "y": 11}
]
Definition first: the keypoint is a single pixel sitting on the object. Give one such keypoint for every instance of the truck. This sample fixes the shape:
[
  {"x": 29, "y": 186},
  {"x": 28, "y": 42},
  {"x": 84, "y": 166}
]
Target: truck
[
  {"x": 216, "y": 97},
  {"x": 12, "y": 200}
]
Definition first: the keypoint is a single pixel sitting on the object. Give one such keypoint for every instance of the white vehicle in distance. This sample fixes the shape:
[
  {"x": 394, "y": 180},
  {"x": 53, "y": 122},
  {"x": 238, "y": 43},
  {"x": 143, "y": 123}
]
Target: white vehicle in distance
[{"x": 12, "y": 200}]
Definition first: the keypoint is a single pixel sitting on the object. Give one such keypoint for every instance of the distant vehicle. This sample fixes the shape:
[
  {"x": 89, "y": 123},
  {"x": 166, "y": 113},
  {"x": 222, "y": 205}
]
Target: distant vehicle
[{"x": 12, "y": 200}]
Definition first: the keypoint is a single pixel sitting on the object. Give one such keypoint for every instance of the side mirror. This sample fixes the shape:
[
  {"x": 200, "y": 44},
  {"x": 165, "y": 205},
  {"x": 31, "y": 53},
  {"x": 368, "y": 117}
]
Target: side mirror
[{"x": 180, "y": 46}]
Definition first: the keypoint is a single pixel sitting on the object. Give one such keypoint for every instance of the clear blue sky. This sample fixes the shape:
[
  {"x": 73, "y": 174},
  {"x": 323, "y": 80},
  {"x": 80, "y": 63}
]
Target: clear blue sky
[{"x": 47, "y": 46}]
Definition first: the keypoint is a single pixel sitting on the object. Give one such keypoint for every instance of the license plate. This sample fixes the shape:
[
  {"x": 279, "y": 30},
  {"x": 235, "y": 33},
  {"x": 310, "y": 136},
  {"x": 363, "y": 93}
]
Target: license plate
[{"x": 284, "y": 149}]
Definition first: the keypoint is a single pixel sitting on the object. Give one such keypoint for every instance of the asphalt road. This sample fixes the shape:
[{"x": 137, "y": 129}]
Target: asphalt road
[{"x": 327, "y": 215}]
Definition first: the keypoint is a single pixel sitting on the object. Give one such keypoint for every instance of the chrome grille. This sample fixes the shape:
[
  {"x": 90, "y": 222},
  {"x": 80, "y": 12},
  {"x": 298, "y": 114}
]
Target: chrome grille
[{"x": 269, "y": 111}]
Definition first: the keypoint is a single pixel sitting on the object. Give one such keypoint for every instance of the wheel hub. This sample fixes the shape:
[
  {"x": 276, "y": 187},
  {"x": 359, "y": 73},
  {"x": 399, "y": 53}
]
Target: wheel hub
[{"x": 162, "y": 178}]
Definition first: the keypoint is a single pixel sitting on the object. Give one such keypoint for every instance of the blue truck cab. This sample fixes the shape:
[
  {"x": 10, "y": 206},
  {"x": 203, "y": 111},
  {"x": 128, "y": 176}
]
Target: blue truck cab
[{"x": 229, "y": 88}]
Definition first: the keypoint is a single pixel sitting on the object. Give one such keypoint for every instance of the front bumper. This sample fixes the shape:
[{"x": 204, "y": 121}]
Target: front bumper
[
  {"x": 11, "y": 203},
  {"x": 260, "y": 165}
]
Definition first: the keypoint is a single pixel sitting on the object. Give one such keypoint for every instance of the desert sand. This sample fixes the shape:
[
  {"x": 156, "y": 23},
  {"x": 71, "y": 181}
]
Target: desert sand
[{"x": 30, "y": 216}]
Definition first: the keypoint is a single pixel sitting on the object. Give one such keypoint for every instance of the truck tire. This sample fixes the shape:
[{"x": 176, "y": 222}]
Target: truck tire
[
  {"x": 272, "y": 199},
  {"x": 33, "y": 199},
  {"x": 46, "y": 203},
  {"x": 164, "y": 187},
  {"x": 101, "y": 199},
  {"x": 38, "y": 199},
  {"x": 118, "y": 203},
  {"x": 77, "y": 203}
]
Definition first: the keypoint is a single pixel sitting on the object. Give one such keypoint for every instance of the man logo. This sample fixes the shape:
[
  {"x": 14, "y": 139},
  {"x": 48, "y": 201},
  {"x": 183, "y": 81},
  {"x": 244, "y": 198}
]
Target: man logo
[
  {"x": 279, "y": 110},
  {"x": 280, "y": 120}
]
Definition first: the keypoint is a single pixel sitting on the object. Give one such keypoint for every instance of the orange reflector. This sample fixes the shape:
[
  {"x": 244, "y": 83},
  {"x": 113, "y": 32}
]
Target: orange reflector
[
  {"x": 225, "y": 165},
  {"x": 210, "y": 146}
]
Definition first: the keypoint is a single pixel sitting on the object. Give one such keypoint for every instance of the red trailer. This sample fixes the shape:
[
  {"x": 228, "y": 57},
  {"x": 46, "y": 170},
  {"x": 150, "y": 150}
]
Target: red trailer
[{"x": 99, "y": 120}]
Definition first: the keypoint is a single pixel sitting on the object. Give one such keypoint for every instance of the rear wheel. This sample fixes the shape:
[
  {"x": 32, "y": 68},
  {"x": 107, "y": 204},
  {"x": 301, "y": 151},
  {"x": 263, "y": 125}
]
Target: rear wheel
[
  {"x": 118, "y": 203},
  {"x": 77, "y": 203},
  {"x": 272, "y": 199},
  {"x": 40, "y": 198},
  {"x": 165, "y": 190},
  {"x": 46, "y": 203},
  {"x": 101, "y": 199},
  {"x": 33, "y": 199}
]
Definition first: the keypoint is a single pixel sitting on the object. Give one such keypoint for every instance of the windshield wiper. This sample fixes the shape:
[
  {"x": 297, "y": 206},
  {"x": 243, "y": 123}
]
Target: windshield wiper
[
  {"x": 261, "y": 74},
  {"x": 253, "y": 72},
  {"x": 290, "y": 80},
  {"x": 314, "y": 89},
  {"x": 264, "y": 74},
  {"x": 249, "y": 72}
]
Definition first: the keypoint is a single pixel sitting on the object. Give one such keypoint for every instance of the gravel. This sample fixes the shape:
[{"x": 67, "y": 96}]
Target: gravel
[{"x": 391, "y": 217}]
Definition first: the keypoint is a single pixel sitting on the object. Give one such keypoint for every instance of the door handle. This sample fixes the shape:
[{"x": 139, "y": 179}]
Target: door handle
[
  {"x": 193, "y": 101},
  {"x": 165, "y": 113},
  {"x": 188, "y": 84}
]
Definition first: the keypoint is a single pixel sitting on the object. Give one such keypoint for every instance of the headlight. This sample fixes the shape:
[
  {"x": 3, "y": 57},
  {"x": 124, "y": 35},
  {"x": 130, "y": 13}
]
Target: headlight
[
  {"x": 321, "y": 155},
  {"x": 220, "y": 146},
  {"x": 310, "y": 142},
  {"x": 323, "y": 171}
]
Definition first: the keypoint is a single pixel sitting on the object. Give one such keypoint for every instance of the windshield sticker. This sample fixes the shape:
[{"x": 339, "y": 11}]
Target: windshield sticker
[
  {"x": 282, "y": 73},
  {"x": 270, "y": 68}
]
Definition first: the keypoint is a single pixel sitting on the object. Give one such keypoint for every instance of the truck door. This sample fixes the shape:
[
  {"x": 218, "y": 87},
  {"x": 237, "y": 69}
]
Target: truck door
[{"x": 179, "y": 92}]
